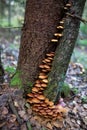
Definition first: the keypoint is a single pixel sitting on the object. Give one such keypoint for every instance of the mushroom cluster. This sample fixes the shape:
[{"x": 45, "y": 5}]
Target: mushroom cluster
[
  {"x": 39, "y": 103},
  {"x": 60, "y": 27}
]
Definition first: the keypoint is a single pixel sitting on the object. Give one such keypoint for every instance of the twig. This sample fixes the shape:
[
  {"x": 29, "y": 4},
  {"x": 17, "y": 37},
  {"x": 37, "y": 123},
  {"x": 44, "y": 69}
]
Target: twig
[
  {"x": 78, "y": 17},
  {"x": 14, "y": 109}
]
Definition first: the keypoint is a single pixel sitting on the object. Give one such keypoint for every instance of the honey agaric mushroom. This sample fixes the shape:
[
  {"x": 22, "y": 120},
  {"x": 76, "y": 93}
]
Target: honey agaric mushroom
[
  {"x": 35, "y": 109},
  {"x": 68, "y": 5},
  {"x": 48, "y": 110},
  {"x": 50, "y": 54},
  {"x": 50, "y": 58},
  {"x": 54, "y": 40},
  {"x": 37, "y": 81},
  {"x": 50, "y": 103},
  {"x": 37, "y": 85},
  {"x": 46, "y": 100},
  {"x": 42, "y": 111},
  {"x": 42, "y": 76},
  {"x": 62, "y": 22},
  {"x": 41, "y": 97},
  {"x": 47, "y": 60},
  {"x": 50, "y": 113},
  {"x": 44, "y": 105},
  {"x": 29, "y": 100},
  {"x": 45, "y": 70},
  {"x": 45, "y": 80},
  {"x": 34, "y": 89},
  {"x": 43, "y": 85},
  {"x": 39, "y": 92},
  {"x": 41, "y": 88},
  {"x": 41, "y": 66},
  {"x": 40, "y": 107},
  {"x": 52, "y": 107},
  {"x": 35, "y": 100},
  {"x": 30, "y": 95},
  {"x": 47, "y": 66},
  {"x": 58, "y": 34},
  {"x": 60, "y": 27}
]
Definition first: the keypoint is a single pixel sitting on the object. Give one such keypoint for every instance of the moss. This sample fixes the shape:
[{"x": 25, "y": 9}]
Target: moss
[
  {"x": 16, "y": 81},
  {"x": 65, "y": 90}
]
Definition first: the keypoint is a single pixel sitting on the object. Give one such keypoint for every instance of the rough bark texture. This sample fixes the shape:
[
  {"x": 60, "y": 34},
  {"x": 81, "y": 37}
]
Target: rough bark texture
[
  {"x": 41, "y": 20},
  {"x": 64, "y": 51}
]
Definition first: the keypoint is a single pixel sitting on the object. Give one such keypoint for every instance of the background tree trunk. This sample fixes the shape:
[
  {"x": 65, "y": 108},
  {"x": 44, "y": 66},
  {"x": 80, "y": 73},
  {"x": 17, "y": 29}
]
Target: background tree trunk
[
  {"x": 1, "y": 69},
  {"x": 41, "y": 20}
]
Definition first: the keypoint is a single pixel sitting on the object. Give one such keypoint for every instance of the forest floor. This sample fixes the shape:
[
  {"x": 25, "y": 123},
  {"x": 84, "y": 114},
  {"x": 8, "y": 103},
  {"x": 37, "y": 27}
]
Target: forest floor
[{"x": 16, "y": 114}]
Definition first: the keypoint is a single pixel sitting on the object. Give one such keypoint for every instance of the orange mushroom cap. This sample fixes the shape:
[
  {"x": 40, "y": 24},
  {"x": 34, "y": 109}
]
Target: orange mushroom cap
[
  {"x": 62, "y": 22},
  {"x": 68, "y": 5},
  {"x": 37, "y": 85},
  {"x": 50, "y": 103},
  {"x": 30, "y": 95},
  {"x": 45, "y": 80},
  {"x": 46, "y": 100},
  {"x": 43, "y": 85},
  {"x": 47, "y": 60},
  {"x": 37, "y": 81},
  {"x": 60, "y": 27},
  {"x": 50, "y": 54},
  {"x": 41, "y": 97},
  {"x": 47, "y": 66},
  {"x": 35, "y": 100},
  {"x": 41, "y": 66},
  {"x": 58, "y": 34},
  {"x": 34, "y": 89},
  {"x": 54, "y": 40},
  {"x": 42, "y": 76}
]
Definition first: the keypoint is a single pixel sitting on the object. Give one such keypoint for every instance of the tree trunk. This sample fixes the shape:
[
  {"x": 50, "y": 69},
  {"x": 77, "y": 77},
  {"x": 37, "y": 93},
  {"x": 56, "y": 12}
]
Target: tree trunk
[
  {"x": 64, "y": 51},
  {"x": 1, "y": 69},
  {"x": 41, "y": 20}
]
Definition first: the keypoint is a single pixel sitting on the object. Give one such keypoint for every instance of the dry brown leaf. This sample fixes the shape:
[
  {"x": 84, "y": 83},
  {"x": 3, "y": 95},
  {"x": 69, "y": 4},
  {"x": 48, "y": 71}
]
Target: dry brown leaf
[
  {"x": 44, "y": 122},
  {"x": 38, "y": 118},
  {"x": 5, "y": 111},
  {"x": 12, "y": 118},
  {"x": 58, "y": 124},
  {"x": 16, "y": 104},
  {"x": 74, "y": 110},
  {"x": 48, "y": 125},
  {"x": 21, "y": 113}
]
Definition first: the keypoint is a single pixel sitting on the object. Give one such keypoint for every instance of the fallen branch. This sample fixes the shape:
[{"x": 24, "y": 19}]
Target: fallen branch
[{"x": 14, "y": 109}]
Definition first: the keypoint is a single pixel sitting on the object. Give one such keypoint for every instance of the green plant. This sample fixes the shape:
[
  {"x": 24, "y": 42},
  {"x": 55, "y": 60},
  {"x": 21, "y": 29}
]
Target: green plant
[
  {"x": 75, "y": 90},
  {"x": 65, "y": 90},
  {"x": 10, "y": 69},
  {"x": 84, "y": 99}
]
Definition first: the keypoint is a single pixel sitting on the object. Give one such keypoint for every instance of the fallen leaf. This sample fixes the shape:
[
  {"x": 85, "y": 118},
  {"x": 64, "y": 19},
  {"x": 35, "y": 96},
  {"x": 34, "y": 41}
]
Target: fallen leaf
[
  {"x": 48, "y": 125},
  {"x": 57, "y": 124},
  {"x": 12, "y": 118},
  {"x": 5, "y": 111}
]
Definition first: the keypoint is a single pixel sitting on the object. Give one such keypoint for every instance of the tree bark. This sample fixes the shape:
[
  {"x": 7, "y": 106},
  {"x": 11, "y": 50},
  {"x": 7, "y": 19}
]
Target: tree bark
[
  {"x": 41, "y": 20},
  {"x": 64, "y": 51}
]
